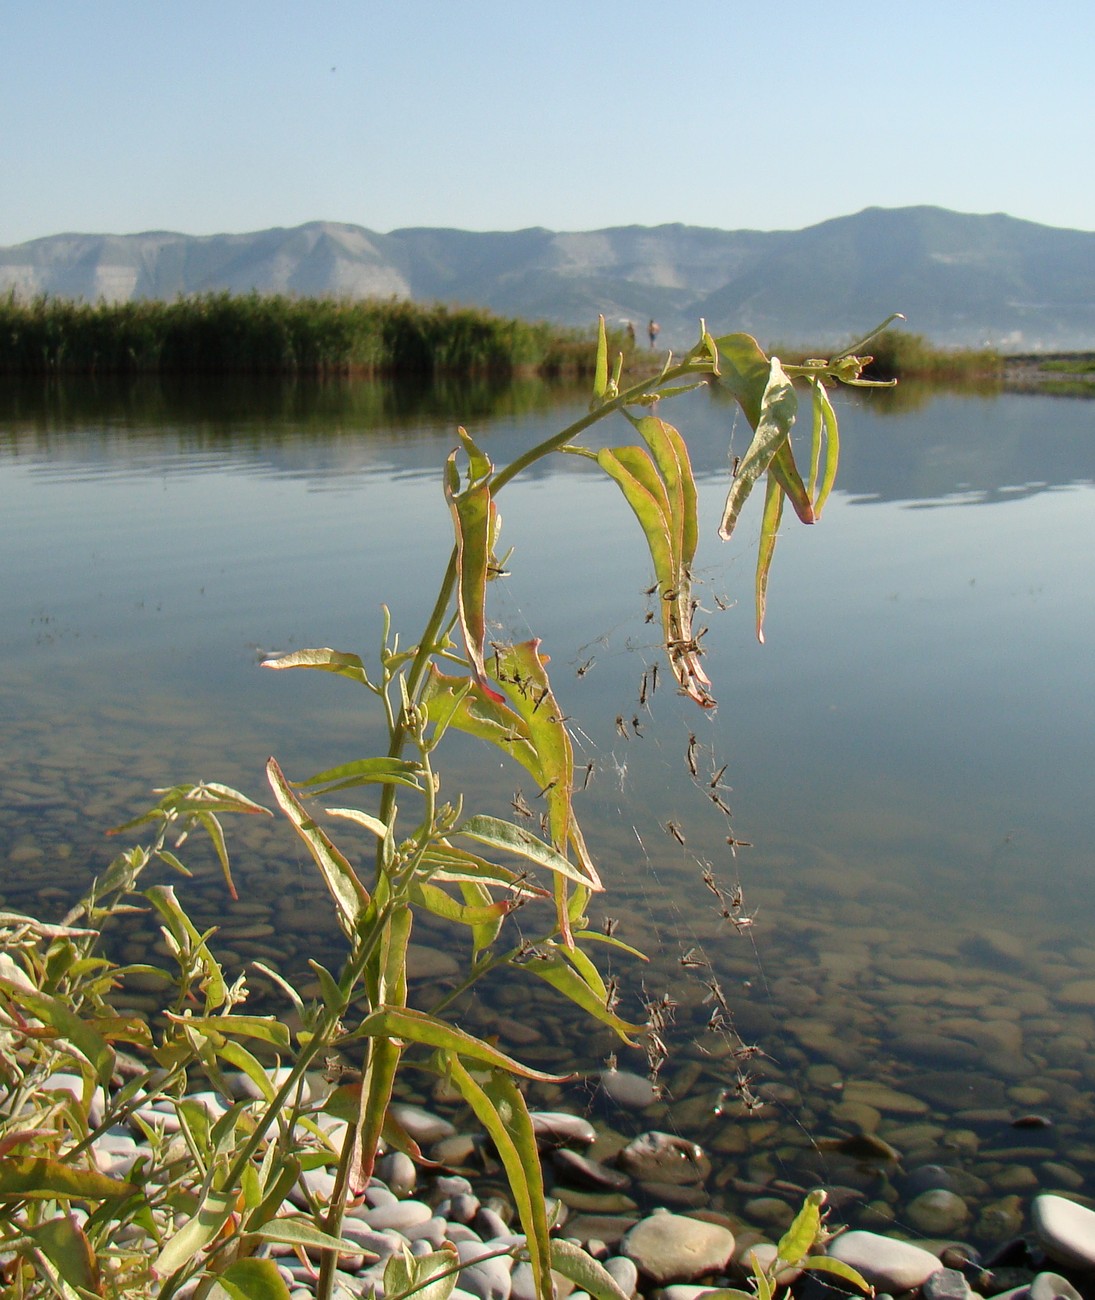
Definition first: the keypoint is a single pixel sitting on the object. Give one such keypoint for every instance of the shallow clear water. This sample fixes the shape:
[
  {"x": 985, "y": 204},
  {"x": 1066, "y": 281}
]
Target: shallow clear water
[{"x": 910, "y": 754}]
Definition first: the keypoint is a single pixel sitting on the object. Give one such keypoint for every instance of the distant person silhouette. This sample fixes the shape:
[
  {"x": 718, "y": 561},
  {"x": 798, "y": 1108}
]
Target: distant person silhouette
[
  {"x": 653, "y": 329},
  {"x": 630, "y": 334}
]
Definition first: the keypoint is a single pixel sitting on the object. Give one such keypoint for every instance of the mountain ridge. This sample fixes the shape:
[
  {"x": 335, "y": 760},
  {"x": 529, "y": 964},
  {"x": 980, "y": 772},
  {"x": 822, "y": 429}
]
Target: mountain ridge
[{"x": 960, "y": 279}]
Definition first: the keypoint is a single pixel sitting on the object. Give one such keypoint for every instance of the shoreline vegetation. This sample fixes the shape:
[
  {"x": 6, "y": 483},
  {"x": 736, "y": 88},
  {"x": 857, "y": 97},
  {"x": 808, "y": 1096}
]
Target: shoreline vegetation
[{"x": 257, "y": 334}]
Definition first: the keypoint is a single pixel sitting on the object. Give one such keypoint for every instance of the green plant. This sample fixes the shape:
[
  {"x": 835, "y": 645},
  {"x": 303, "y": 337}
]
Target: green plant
[{"x": 211, "y": 1196}]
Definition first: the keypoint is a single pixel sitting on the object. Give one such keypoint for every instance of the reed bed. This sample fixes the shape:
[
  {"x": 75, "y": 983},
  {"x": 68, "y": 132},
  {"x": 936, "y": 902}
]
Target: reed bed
[
  {"x": 224, "y": 333},
  {"x": 899, "y": 355}
]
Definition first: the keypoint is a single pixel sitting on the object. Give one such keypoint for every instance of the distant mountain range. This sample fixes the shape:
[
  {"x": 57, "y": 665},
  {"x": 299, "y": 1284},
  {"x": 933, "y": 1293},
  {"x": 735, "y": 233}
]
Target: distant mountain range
[{"x": 959, "y": 279}]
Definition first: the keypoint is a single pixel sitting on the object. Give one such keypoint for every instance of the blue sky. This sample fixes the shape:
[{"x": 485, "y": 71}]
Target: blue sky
[{"x": 229, "y": 115}]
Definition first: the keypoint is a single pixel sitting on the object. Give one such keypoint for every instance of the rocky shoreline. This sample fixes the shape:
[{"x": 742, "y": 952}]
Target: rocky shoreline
[{"x": 641, "y": 1211}]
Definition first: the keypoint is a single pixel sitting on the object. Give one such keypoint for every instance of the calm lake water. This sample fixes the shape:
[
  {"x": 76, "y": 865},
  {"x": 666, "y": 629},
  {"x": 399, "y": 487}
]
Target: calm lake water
[{"x": 910, "y": 755}]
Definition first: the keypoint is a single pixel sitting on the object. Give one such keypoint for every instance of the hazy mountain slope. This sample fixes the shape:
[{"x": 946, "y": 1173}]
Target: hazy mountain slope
[{"x": 959, "y": 278}]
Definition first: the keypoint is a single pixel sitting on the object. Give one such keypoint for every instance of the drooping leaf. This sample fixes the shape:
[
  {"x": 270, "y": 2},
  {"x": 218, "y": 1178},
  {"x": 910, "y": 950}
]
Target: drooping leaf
[
  {"x": 479, "y": 712},
  {"x": 472, "y": 514},
  {"x": 769, "y": 533},
  {"x": 587, "y": 1273},
  {"x": 660, "y": 487},
  {"x": 385, "y": 1051},
  {"x": 66, "y": 1246},
  {"x": 500, "y": 1108},
  {"x": 350, "y": 895},
  {"x": 776, "y": 412},
  {"x": 418, "y": 1027},
  {"x": 549, "y": 965},
  {"x": 826, "y": 430},
  {"x": 163, "y": 899},
  {"x": 829, "y": 1264}
]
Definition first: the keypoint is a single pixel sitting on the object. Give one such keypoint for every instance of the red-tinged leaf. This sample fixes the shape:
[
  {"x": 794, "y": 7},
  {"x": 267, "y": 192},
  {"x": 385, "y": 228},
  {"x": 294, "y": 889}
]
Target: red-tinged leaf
[
  {"x": 472, "y": 515},
  {"x": 441, "y": 904},
  {"x": 452, "y": 702},
  {"x": 769, "y": 532}
]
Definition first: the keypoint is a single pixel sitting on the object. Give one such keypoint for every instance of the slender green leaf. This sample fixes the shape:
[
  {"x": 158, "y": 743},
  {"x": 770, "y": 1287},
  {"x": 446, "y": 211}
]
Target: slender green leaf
[
  {"x": 441, "y": 904},
  {"x": 508, "y": 838},
  {"x": 500, "y": 1108},
  {"x": 418, "y": 1027},
  {"x": 597, "y": 936},
  {"x": 373, "y": 824},
  {"x": 587, "y": 1274},
  {"x": 366, "y": 771},
  {"x": 554, "y": 970},
  {"x": 600, "y": 369},
  {"x": 205, "y": 1225},
  {"x": 826, "y": 416},
  {"x": 827, "y": 1264},
  {"x": 44, "y": 1179},
  {"x": 473, "y": 523},
  {"x": 350, "y": 895},
  {"x": 769, "y": 533},
  {"x": 302, "y": 1232}
]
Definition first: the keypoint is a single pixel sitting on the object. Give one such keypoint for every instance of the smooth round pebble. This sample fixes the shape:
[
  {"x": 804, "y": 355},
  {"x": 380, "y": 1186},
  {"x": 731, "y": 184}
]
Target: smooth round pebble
[
  {"x": 1052, "y": 1286},
  {"x": 627, "y": 1090},
  {"x": 674, "y": 1248},
  {"x": 664, "y": 1158},
  {"x": 886, "y": 1263},
  {"x": 937, "y": 1213}
]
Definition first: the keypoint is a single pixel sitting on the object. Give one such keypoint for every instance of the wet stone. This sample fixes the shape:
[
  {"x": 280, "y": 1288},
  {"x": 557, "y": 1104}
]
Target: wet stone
[
  {"x": 674, "y": 1248},
  {"x": 937, "y": 1212},
  {"x": 664, "y": 1158},
  {"x": 886, "y": 1263},
  {"x": 627, "y": 1090},
  {"x": 946, "y": 1284},
  {"x": 1065, "y": 1229},
  {"x": 1052, "y": 1286},
  {"x": 560, "y": 1129}
]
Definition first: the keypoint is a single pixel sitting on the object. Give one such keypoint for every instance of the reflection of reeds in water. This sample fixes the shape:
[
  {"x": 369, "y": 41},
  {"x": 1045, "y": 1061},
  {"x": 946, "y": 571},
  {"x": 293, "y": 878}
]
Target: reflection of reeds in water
[{"x": 225, "y": 333}]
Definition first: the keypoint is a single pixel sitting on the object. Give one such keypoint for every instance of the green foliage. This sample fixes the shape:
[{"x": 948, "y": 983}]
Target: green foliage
[
  {"x": 212, "y": 1196},
  {"x": 898, "y": 354},
  {"x": 223, "y": 333}
]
